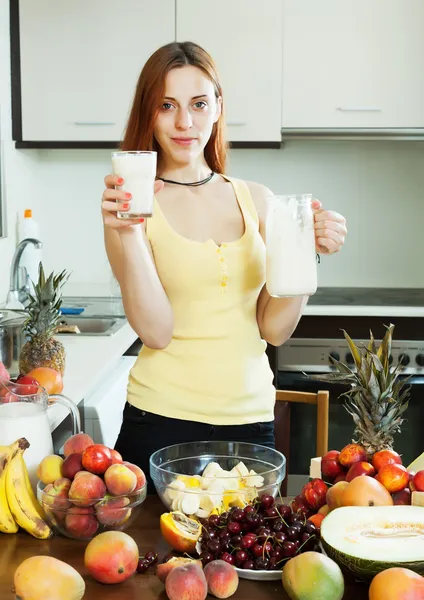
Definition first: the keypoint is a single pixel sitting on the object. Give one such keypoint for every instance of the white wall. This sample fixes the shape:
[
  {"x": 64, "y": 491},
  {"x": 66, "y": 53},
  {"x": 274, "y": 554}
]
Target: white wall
[{"x": 378, "y": 186}]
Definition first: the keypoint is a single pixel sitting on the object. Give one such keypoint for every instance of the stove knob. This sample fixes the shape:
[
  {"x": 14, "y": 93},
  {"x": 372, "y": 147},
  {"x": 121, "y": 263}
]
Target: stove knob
[
  {"x": 334, "y": 355},
  {"x": 404, "y": 360},
  {"x": 420, "y": 360},
  {"x": 349, "y": 359}
]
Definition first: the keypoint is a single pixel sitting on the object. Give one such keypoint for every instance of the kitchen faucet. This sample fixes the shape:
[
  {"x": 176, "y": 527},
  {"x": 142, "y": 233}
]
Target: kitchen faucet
[{"x": 17, "y": 293}]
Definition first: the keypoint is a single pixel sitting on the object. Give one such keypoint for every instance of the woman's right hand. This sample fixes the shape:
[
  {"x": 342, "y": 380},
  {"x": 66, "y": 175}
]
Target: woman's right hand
[{"x": 114, "y": 200}]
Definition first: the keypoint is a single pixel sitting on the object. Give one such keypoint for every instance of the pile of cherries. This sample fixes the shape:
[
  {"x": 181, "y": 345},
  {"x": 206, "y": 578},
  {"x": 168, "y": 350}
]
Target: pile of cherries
[
  {"x": 146, "y": 561},
  {"x": 261, "y": 536}
]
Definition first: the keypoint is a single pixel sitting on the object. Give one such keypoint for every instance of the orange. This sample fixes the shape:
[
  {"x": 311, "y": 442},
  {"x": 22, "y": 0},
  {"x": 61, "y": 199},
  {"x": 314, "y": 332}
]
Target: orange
[
  {"x": 180, "y": 531},
  {"x": 317, "y": 520},
  {"x": 50, "y": 379}
]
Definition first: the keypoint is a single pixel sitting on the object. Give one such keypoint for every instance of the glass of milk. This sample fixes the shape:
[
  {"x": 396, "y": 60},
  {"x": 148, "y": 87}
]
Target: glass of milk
[
  {"x": 291, "y": 267},
  {"x": 138, "y": 170}
]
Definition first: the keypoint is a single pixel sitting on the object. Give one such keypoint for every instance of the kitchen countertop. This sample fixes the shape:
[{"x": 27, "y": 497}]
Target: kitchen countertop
[{"x": 16, "y": 548}]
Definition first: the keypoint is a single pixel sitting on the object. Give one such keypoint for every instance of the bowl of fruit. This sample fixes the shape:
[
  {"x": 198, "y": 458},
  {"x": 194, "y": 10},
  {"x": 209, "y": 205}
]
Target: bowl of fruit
[
  {"x": 90, "y": 491},
  {"x": 204, "y": 478}
]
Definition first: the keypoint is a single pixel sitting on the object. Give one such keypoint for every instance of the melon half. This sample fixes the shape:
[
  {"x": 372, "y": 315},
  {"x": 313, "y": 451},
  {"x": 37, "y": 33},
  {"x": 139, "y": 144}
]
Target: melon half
[{"x": 364, "y": 540}]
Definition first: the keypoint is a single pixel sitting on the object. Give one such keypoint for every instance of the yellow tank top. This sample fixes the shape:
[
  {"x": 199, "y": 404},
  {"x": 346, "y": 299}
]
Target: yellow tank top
[{"x": 215, "y": 369}]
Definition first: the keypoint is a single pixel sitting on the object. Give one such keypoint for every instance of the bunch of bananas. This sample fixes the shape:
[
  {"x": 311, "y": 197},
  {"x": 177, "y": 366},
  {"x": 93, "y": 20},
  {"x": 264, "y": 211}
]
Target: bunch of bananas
[{"x": 18, "y": 505}]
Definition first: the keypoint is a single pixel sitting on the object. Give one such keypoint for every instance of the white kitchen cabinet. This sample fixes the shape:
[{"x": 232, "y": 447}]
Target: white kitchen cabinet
[
  {"x": 80, "y": 63},
  {"x": 353, "y": 64},
  {"x": 244, "y": 38}
]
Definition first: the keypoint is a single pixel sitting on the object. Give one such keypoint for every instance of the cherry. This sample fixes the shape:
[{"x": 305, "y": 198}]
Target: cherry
[
  {"x": 224, "y": 534},
  {"x": 267, "y": 501},
  {"x": 277, "y": 553},
  {"x": 289, "y": 549},
  {"x": 213, "y": 520},
  {"x": 284, "y": 510},
  {"x": 271, "y": 513},
  {"x": 236, "y": 540},
  {"x": 167, "y": 557},
  {"x": 229, "y": 558},
  {"x": 247, "y": 542},
  {"x": 142, "y": 565},
  {"x": 225, "y": 545},
  {"x": 249, "y": 509},
  {"x": 213, "y": 546},
  {"x": 309, "y": 527},
  {"x": 241, "y": 557},
  {"x": 212, "y": 534},
  {"x": 278, "y": 526},
  {"x": 263, "y": 533},
  {"x": 206, "y": 557},
  {"x": 151, "y": 557},
  {"x": 233, "y": 527},
  {"x": 238, "y": 515},
  {"x": 268, "y": 547},
  {"x": 280, "y": 537},
  {"x": 249, "y": 564},
  {"x": 257, "y": 550},
  {"x": 293, "y": 534},
  {"x": 261, "y": 563}
]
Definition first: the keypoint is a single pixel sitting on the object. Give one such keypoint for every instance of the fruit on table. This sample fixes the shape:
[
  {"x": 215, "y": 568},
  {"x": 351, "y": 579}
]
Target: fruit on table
[
  {"x": 97, "y": 459},
  {"x": 120, "y": 480},
  {"x": 366, "y": 541},
  {"x": 393, "y": 476},
  {"x": 56, "y": 502},
  {"x": 358, "y": 469},
  {"x": 4, "y": 372},
  {"x": 50, "y": 468},
  {"x": 314, "y": 493},
  {"x": 366, "y": 491},
  {"x": 310, "y": 576},
  {"x": 7, "y": 522},
  {"x": 111, "y": 557},
  {"x": 71, "y": 465},
  {"x": 81, "y": 521},
  {"x": 141, "y": 478},
  {"x": 47, "y": 578},
  {"x": 187, "y": 582},
  {"x": 163, "y": 569},
  {"x": 396, "y": 583},
  {"x": 351, "y": 454},
  {"x": 42, "y": 349},
  {"x": 402, "y": 498},
  {"x": 112, "y": 512},
  {"x": 181, "y": 532},
  {"x": 385, "y": 457},
  {"x": 300, "y": 506},
  {"x": 222, "y": 579},
  {"x": 146, "y": 561},
  {"x": 116, "y": 457},
  {"x": 330, "y": 465},
  {"x": 335, "y": 494},
  {"x": 23, "y": 505},
  {"x": 317, "y": 520},
  {"x": 419, "y": 481},
  {"x": 77, "y": 444},
  {"x": 48, "y": 378},
  {"x": 86, "y": 489}
]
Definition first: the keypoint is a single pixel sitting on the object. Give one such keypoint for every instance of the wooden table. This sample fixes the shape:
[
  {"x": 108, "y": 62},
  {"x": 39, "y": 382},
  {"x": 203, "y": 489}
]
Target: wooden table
[{"x": 16, "y": 548}]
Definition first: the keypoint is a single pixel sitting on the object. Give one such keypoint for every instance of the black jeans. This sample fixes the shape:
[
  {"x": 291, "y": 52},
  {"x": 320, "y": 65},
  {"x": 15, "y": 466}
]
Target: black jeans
[{"x": 142, "y": 433}]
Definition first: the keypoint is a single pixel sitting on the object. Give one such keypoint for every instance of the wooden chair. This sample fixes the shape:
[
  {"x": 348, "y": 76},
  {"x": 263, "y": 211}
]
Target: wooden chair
[{"x": 282, "y": 423}]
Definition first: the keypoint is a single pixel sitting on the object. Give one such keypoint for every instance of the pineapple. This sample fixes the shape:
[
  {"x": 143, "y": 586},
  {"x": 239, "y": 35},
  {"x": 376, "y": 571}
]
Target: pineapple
[
  {"x": 377, "y": 398},
  {"x": 41, "y": 349}
]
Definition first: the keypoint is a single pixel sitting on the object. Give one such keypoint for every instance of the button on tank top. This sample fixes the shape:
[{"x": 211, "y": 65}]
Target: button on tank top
[{"x": 215, "y": 369}]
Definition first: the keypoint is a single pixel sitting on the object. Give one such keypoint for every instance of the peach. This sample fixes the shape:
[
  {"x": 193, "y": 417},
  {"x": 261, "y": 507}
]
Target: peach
[
  {"x": 402, "y": 498},
  {"x": 116, "y": 457},
  {"x": 335, "y": 494},
  {"x": 385, "y": 457},
  {"x": 112, "y": 511},
  {"x": 163, "y": 569},
  {"x": 77, "y": 443},
  {"x": 120, "y": 480},
  {"x": 393, "y": 476},
  {"x": 86, "y": 489},
  {"x": 366, "y": 491},
  {"x": 81, "y": 522},
  {"x": 397, "y": 583},
  {"x": 97, "y": 459},
  {"x": 187, "y": 582},
  {"x": 330, "y": 466},
  {"x": 50, "y": 468},
  {"x": 358, "y": 469},
  {"x": 222, "y": 578},
  {"x": 111, "y": 557},
  {"x": 71, "y": 465},
  {"x": 418, "y": 481},
  {"x": 56, "y": 494},
  {"x": 50, "y": 379},
  {"x": 351, "y": 454},
  {"x": 141, "y": 478}
]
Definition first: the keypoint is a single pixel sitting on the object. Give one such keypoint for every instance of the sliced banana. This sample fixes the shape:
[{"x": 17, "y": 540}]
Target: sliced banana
[{"x": 190, "y": 503}]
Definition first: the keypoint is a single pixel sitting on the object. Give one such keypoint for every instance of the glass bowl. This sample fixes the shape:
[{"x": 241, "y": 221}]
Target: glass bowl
[
  {"x": 204, "y": 478},
  {"x": 110, "y": 513}
]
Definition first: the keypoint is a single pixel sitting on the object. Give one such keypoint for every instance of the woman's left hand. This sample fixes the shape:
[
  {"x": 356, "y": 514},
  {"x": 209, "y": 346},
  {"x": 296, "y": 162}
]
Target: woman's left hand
[{"x": 330, "y": 229}]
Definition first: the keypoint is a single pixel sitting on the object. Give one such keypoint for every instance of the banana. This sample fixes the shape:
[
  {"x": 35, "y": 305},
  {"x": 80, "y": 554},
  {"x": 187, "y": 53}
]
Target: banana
[
  {"x": 7, "y": 522},
  {"x": 21, "y": 502}
]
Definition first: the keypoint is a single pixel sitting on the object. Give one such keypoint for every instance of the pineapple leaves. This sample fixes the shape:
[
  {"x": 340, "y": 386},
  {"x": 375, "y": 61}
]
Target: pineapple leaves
[{"x": 354, "y": 350}]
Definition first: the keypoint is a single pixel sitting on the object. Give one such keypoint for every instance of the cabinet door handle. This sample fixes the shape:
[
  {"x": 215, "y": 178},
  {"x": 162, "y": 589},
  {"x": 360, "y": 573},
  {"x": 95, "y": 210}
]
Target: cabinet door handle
[
  {"x": 92, "y": 123},
  {"x": 359, "y": 109},
  {"x": 236, "y": 124}
]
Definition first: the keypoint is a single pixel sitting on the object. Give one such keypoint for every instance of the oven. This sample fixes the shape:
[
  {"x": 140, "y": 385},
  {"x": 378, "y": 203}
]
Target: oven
[{"x": 307, "y": 352}]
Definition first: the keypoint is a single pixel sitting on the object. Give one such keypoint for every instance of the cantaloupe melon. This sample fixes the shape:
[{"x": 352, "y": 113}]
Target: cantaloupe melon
[{"x": 417, "y": 464}]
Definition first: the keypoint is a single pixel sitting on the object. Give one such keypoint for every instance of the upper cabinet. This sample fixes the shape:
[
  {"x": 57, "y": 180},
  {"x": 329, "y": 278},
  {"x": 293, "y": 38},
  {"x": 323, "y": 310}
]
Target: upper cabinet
[
  {"x": 80, "y": 62},
  {"x": 244, "y": 37},
  {"x": 353, "y": 64}
]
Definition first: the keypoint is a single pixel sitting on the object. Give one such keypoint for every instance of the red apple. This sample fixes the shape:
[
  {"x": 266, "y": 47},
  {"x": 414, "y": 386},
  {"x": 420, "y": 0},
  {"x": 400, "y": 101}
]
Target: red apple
[
  {"x": 358, "y": 469},
  {"x": 419, "y": 481},
  {"x": 330, "y": 466},
  {"x": 97, "y": 459}
]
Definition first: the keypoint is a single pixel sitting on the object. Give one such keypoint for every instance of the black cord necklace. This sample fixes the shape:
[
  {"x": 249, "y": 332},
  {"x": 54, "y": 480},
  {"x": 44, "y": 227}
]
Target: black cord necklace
[{"x": 192, "y": 184}]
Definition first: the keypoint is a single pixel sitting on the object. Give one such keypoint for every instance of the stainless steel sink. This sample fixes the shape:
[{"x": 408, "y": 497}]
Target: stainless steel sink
[{"x": 91, "y": 326}]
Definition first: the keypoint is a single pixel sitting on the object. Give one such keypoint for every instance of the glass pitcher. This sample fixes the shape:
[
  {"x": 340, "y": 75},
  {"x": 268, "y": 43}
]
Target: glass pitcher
[
  {"x": 23, "y": 413},
  {"x": 291, "y": 267}
]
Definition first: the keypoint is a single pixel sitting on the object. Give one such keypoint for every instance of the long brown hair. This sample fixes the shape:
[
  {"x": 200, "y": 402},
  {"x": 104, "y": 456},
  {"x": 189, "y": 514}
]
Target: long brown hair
[{"x": 149, "y": 96}]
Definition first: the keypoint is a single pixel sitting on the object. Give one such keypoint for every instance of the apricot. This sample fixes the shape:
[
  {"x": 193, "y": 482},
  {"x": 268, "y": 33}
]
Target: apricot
[
  {"x": 385, "y": 457},
  {"x": 163, "y": 569},
  {"x": 71, "y": 465},
  {"x": 47, "y": 578},
  {"x": 141, "y": 478},
  {"x": 222, "y": 578},
  {"x": 335, "y": 493},
  {"x": 77, "y": 444},
  {"x": 50, "y": 379},
  {"x": 358, "y": 469},
  {"x": 112, "y": 512},
  {"x": 81, "y": 522},
  {"x": 351, "y": 454},
  {"x": 50, "y": 468},
  {"x": 396, "y": 583},
  {"x": 366, "y": 491},
  {"x": 393, "y": 476},
  {"x": 187, "y": 582},
  {"x": 120, "y": 480},
  {"x": 111, "y": 557},
  {"x": 86, "y": 489}
]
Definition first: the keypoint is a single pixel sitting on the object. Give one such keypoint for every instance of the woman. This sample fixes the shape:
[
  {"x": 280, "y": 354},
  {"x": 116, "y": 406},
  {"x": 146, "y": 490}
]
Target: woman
[{"x": 192, "y": 277}]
